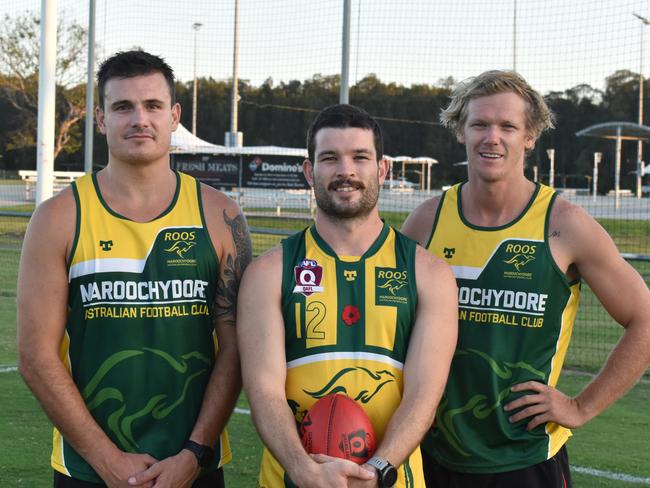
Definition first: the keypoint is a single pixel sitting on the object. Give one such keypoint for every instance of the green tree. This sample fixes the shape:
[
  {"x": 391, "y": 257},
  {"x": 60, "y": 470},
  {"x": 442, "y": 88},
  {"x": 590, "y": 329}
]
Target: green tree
[
  {"x": 19, "y": 64},
  {"x": 574, "y": 109}
]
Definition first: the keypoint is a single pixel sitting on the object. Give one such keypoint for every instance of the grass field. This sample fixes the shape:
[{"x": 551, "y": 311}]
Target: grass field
[{"x": 616, "y": 442}]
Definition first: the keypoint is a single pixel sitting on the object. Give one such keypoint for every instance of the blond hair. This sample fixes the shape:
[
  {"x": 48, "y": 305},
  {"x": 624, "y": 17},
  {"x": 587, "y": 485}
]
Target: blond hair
[{"x": 538, "y": 116}]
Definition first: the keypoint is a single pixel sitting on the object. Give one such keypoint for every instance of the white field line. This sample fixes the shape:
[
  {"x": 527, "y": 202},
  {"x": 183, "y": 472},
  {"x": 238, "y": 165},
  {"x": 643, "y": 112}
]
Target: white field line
[
  {"x": 598, "y": 473},
  {"x": 610, "y": 475},
  {"x": 579, "y": 469}
]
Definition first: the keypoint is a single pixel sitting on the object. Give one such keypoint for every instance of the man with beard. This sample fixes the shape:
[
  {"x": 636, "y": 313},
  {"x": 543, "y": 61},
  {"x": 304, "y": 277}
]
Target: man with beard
[{"x": 348, "y": 305}]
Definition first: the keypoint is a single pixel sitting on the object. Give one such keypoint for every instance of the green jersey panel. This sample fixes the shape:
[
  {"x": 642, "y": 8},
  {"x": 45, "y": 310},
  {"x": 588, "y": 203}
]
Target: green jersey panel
[
  {"x": 516, "y": 314},
  {"x": 348, "y": 321},
  {"x": 139, "y": 340}
]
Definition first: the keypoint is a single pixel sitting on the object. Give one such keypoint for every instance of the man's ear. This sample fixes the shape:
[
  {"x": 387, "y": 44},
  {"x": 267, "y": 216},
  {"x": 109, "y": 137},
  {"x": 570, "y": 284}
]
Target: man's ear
[
  {"x": 383, "y": 170},
  {"x": 176, "y": 115},
  {"x": 460, "y": 137},
  {"x": 308, "y": 171},
  {"x": 99, "y": 117},
  {"x": 530, "y": 142}
]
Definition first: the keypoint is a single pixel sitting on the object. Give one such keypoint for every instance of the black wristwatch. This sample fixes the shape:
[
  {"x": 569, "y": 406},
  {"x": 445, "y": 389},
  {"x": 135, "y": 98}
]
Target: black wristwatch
[
  {"x": 386, "y": 472},
  {"x": 204, "y": 454}
]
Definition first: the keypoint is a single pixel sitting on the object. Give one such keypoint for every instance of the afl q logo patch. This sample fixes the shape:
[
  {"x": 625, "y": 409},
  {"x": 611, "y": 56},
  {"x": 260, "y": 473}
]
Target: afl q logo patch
[{"x": 308, "y": 276}]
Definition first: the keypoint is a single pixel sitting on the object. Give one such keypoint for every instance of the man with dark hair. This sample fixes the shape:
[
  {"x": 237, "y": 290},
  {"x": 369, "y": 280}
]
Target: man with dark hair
[
  {"x": 129, "y": 64},
  {"x": 127, "y": 299},
  {"x": 342, "y": 117},
  {"x": 519, "y": 252},
  {"x": 351, "y": 306}
]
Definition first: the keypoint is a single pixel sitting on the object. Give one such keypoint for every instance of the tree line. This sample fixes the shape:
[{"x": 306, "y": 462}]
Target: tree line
[{"x": 279, "y": 113}]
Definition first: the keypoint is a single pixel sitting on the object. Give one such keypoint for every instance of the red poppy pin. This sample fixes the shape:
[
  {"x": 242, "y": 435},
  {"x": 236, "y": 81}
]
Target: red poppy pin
[{"x": 351, "y": 315}]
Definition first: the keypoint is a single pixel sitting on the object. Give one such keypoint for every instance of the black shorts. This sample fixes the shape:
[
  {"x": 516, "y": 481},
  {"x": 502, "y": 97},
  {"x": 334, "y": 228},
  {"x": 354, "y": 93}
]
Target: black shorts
[
  {"x": 553, "y": 473},
  {"x": 213, "y": 479}
]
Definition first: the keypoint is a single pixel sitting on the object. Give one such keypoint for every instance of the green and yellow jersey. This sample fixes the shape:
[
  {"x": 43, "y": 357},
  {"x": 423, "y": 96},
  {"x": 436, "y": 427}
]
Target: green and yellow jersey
[
  {"x": 347, "y": 322},
  {"x": 139, "y": 341},
  {"x": 516, "y": 315}
]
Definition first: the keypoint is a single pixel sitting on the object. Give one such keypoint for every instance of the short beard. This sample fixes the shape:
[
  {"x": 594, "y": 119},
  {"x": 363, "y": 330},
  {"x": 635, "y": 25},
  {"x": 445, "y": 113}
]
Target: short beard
[{"x": 346, "y": 211}]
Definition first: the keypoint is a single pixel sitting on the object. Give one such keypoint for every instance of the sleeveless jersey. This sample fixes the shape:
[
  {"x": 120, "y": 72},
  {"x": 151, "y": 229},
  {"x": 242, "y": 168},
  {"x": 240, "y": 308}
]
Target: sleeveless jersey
[
  {"x": 347, "y": 322},
  {"x": 516, "y": 314},
  {"x": 139, "y": 340}
]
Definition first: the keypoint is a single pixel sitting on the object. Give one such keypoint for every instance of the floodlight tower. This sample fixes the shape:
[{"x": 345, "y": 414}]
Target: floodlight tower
[
  {"x": 89, "y": 130},
  {"x": 196, "y": 26},
  {"x": 514, "y": 36},
  {"x": 344, "y": 91},
  {"x": 234, "y": 138},
  {"x": 639, "y": 158}
]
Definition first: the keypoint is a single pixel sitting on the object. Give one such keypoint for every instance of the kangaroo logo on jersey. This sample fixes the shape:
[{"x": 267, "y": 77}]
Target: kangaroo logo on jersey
[
  {"x": 449, "y": 252},
  {"x": 390, "y": 286},
  {"x": 519, "y": 255},
  {"x": 359, "y": 383},
  {"x": 104, "y": 397},
  {"x": 308, "y": 276},
  {"x": 179, "y": 243},
  {"x": 350, "y": 275},
  {"x": 181, "y": 247},
  {"x": 106, "y": 245},
  {"x": 482, "y": 405},
  {"x": 520, "y": 260}
]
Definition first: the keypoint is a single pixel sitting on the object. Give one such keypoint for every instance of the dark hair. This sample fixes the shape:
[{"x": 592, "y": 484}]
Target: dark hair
[
  {"x": 126, "y": 64},
  {"x": 342, "y": 116}
]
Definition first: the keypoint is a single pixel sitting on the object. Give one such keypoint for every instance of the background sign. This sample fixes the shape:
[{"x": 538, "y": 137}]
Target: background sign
[
  {"x": 214, "y": 170},
  {"x": 280, "y": 172}
]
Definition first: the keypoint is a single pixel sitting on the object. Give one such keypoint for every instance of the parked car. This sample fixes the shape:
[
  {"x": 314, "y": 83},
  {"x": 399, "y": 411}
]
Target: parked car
[{"x": 400, "y": 184}]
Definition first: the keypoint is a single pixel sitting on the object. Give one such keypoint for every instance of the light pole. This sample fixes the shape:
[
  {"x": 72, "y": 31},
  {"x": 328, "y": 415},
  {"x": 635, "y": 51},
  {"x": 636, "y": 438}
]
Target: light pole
[
  {"x": 89, "y": 131},
  {"x": 639, "y": 157},
  {"x": 551, "y": 172},
  {"x": 234, "y": 138},
  {"x": 344, "y": 89},
  {"x": 598, "y": 157},
  {"x": 514, "y": 36},
  {"x": 196, "y": 26}
]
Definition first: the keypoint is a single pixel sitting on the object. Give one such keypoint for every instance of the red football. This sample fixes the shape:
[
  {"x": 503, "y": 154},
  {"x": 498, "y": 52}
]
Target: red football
[{"x": 337, "y": 426}]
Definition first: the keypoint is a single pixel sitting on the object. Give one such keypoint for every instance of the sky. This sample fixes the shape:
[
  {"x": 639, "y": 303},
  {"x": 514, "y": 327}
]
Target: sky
[{"x": 559, "y": 43}]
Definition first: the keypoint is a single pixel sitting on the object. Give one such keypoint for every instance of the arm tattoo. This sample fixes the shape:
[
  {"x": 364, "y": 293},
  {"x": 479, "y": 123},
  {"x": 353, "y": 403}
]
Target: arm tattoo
[
  {"x": 232, "y": 269},
  {"x": 555, "y": 233}
]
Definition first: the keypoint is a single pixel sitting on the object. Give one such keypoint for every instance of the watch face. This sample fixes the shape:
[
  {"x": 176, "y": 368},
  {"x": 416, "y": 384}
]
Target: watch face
[{"x": 390, "y": 476}]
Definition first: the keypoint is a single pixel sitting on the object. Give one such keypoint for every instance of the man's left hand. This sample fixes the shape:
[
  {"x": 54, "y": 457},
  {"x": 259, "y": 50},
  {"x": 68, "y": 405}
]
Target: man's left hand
[
  {"x": 357, "y": 483},
  {"x": 546, "y": 404},
  {"x": 352, "y": 481},
  {"x": 177, "y": 471}
]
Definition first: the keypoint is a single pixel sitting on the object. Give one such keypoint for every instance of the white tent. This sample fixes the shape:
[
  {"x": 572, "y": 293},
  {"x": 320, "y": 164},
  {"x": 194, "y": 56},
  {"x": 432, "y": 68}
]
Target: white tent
[{"x": 184, "y": 142}]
